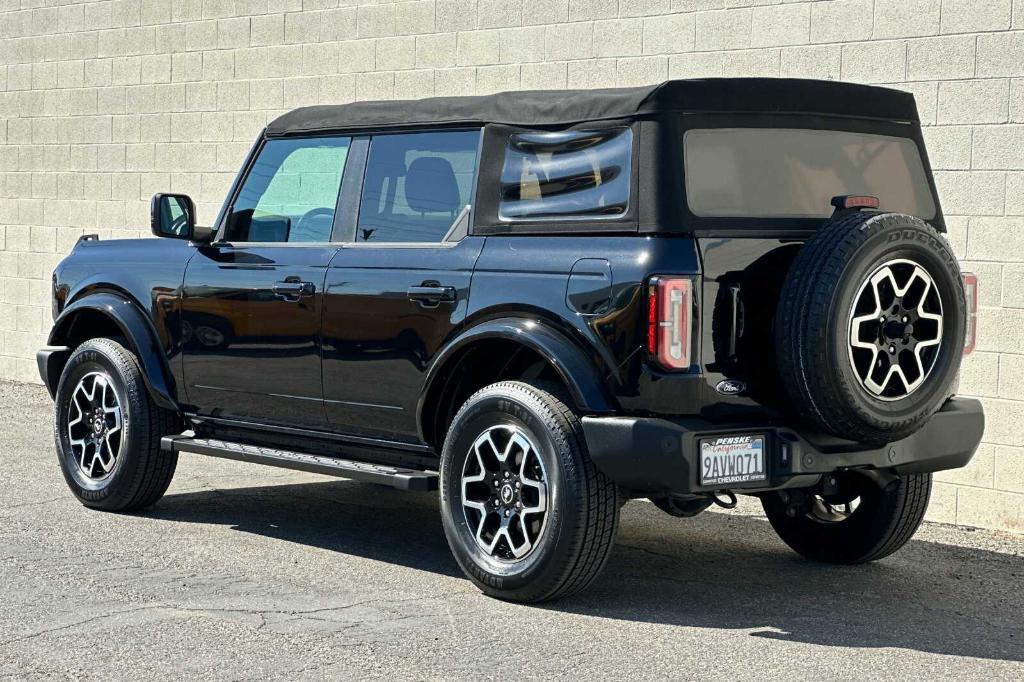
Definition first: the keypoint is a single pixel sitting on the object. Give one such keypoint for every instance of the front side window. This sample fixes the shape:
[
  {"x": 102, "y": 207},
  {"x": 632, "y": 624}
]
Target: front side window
[
  {"x": 565, "y": 175},
  {"x": 417, "y": 185},
  {"x": 791, "y": 173},
  {"x": 291, "y": 192}
]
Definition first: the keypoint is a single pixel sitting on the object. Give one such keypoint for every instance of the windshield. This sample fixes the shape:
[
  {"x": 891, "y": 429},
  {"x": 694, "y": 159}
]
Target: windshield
[{"x": 788, "y": 173}]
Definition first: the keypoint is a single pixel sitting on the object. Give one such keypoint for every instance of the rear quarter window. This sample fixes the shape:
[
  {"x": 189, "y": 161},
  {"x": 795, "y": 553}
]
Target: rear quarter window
[
  {"x": 791, "y": 173},
  {"x": 566, "y": 175}
]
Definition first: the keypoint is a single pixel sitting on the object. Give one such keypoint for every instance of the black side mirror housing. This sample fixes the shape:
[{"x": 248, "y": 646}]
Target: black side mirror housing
[{"x": 173, "y": 216}]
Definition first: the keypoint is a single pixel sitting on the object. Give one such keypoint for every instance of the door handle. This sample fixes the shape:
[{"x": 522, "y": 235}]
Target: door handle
[
  {"x": 293, "y": 289},
  {"x": 430, "y": 295}
]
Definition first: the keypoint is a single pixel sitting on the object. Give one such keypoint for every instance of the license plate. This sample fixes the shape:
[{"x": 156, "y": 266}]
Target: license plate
[{"x": 732, "y": 459}]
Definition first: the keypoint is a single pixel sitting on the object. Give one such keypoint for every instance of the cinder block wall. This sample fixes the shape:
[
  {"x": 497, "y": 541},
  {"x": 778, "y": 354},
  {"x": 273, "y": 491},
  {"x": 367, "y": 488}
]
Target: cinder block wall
[{"x": 103, "y": 103}]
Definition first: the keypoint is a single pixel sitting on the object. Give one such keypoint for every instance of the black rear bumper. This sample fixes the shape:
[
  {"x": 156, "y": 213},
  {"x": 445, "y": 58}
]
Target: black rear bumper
[{"x": 649, "y": 455}]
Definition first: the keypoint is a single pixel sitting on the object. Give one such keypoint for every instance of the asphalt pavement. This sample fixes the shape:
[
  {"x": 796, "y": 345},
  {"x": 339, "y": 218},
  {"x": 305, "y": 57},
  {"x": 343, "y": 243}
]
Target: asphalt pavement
[{"x": 248, "y": 572}]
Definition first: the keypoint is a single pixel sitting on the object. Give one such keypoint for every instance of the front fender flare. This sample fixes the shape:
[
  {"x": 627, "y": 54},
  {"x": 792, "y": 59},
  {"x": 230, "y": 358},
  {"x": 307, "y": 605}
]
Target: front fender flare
[
  {"x": 137, "y": 328},
  {"x": 579, "y": 372}
]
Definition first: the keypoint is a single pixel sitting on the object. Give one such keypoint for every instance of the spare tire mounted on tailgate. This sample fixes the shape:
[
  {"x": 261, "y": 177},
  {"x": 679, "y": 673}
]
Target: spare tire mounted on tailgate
[{"x": 870, "y": 326}]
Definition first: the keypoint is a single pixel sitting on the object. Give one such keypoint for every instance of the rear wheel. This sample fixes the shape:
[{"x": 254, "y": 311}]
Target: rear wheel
[
  {"x": 861, "y": 522},
  {"x": 527, "y": 515},
  {"x": 107, "y": 430}
]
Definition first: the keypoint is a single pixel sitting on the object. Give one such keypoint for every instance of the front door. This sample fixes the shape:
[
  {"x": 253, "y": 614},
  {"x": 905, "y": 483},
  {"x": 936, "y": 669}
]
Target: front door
[
  {"x": 398, "y": 290},
  {"x": 253, "y": 300}
]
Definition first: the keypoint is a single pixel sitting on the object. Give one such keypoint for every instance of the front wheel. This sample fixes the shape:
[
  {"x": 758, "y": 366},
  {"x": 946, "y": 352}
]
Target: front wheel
[
  {"x": 526, "y": 513},
  {"x": 107, "y": 430},
  {"x": 861, "y": 522}
]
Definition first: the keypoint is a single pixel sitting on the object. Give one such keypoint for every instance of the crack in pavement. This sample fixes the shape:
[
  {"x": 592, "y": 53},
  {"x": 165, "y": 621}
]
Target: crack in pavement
[
  {"x": 295, "y": 615},
  {"x": 93, "y": 619},
  {"x": 36, "y": 503}
]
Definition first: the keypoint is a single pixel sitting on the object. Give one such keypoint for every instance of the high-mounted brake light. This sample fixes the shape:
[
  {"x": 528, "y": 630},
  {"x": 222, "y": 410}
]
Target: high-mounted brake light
[
  {"x": 669, "y": 321},
  {"x": 971, "y": 329},
  {"x": 848, "y": 201}
]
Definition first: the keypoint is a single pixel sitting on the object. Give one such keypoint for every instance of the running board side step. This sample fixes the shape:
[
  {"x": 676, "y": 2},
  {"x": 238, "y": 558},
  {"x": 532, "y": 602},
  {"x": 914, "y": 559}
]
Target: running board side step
[{"x": 396, "y": 477}]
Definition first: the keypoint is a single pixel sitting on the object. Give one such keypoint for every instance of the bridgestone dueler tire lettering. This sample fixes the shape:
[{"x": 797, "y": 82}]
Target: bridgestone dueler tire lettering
[{"x": 811, "y": 325}]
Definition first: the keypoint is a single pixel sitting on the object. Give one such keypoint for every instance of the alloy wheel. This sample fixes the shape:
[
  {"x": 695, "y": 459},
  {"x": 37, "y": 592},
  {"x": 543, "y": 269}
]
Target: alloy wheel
[
  {"x": 505, "y": 493},
  {"x": 895, "y": 329},
  {"x": 824, "y": 510},
  {"x": 95, "y": 425}
]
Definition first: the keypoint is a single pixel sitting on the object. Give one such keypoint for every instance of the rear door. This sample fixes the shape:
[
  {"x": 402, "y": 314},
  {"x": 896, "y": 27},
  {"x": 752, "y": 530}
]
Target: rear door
[
  {"x": 754, "y": 194},
  {"x": 400, "y": 286},
  {"x": 253, "y": 301}
]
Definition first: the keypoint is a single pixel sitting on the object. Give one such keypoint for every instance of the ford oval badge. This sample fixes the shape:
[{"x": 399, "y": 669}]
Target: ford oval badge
[{"x": 731, "y": 387}]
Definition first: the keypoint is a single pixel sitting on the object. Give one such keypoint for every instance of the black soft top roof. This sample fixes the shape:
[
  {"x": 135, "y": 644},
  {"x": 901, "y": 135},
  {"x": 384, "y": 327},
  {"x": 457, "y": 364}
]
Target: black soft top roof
[{"x": 567, "y": 107}]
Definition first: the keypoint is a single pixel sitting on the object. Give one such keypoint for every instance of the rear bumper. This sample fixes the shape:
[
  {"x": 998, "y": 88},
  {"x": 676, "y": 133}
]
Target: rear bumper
[{"x": 649, "y": 455}]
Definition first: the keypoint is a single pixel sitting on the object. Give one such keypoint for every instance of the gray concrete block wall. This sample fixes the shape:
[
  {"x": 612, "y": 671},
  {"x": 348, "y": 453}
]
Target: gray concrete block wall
[{"x": 104, "y": 102}]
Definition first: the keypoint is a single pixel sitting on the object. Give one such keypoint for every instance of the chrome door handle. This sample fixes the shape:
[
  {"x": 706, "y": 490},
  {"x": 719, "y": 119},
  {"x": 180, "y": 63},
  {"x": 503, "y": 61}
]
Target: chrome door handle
[
  {"x": 293, "y": 289},
  {"x": 431, "y": 295}
]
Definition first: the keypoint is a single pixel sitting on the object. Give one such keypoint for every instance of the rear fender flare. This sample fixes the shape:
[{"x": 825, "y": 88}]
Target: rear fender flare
[
  {"x": 136, "y": 328},
  {"x": 577, "y": 371}
]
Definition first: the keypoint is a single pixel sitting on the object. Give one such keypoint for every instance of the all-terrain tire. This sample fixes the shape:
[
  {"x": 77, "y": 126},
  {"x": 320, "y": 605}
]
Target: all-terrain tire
[
  {"x": 882, "y": 523},
  {"x": 582, "y": 503},
  {"x": 813, "y": 325},
  {"x": 141, "y": 471}
]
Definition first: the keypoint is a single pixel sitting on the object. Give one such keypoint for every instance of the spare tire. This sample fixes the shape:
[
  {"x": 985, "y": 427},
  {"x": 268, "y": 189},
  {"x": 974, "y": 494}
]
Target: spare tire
[{"x": 869, "y": 328}]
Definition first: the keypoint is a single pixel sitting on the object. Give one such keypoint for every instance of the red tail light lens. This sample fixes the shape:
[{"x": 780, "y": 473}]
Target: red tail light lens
[
  {"x": 847, "y": 201},
  {"x": 971, "y": 294},
  {"x": 669, "y": 321}
]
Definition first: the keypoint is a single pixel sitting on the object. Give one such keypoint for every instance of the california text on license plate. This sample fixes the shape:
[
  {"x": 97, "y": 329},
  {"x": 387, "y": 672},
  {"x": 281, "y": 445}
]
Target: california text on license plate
[{"x": 732, "y": 459}]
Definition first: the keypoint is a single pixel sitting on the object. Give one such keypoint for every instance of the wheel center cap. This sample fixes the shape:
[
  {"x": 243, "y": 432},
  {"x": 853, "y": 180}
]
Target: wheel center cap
[
  {"x": 896, "y": 329},
  {"x": 507, "y": 493}
]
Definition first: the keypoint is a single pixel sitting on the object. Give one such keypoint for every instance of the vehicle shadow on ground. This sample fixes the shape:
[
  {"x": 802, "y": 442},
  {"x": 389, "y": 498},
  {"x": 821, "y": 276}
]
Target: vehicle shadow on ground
[{"x": 714, "y": 571}]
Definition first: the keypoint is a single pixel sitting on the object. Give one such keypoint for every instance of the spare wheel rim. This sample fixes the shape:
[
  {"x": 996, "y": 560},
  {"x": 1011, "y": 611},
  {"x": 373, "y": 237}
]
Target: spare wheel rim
[{"x": 895, "y": 329}]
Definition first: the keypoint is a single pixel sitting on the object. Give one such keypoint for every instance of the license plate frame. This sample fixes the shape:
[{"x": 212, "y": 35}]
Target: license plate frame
[{"x": 733, "y": 459}]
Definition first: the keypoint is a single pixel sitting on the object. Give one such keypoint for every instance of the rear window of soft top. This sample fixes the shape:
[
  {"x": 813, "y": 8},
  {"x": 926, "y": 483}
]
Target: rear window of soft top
[{"x": 794, "y": 173}]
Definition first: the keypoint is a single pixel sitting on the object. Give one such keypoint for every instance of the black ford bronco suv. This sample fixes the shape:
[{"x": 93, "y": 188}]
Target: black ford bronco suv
[{"x": 544, "y": 304}]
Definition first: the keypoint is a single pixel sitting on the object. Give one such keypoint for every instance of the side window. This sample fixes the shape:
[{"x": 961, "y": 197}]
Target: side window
[
  {"x": 290, "y": 192},
  {"x": 564, "y": 175},
  {"x": 416, "y": 185}
]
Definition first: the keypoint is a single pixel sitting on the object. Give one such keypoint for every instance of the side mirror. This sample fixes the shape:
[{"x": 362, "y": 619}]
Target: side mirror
[{"x": 173, "y": 216}]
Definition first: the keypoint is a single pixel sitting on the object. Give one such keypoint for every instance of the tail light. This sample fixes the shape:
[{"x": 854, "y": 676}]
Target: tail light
[
  {"x": 670, "y": 321},
  {"x": 971, "y": 294}
]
